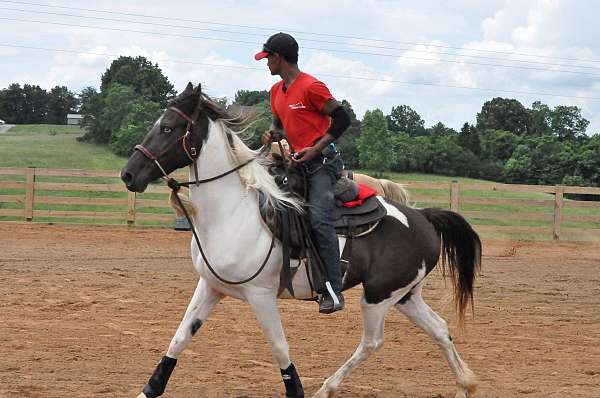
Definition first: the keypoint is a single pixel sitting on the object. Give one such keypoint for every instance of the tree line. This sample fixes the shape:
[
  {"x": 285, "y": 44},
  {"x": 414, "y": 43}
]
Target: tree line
[
  {"x": 509, "y": 142},
  {"x": 32, "y": 104}
]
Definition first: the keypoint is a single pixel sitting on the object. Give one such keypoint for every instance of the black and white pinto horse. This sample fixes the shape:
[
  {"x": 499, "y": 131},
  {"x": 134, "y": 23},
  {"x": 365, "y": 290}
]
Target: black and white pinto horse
[{"x": 391, "y": 262}]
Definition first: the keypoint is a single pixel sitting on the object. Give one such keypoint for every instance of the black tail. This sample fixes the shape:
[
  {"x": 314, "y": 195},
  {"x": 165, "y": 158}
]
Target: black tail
[{"x": 461, "y": 254}]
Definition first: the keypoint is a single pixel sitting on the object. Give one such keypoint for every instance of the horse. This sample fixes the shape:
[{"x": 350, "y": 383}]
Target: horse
[{"x": 237, "y": 255}]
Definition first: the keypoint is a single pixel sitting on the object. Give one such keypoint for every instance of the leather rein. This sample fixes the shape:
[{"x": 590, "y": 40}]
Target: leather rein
[{"x": 193, "y": 153}]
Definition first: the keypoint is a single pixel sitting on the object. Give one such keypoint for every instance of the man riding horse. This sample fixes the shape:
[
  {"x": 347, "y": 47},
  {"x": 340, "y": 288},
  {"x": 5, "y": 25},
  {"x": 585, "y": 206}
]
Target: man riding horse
[{"x": 312, "y": 119}]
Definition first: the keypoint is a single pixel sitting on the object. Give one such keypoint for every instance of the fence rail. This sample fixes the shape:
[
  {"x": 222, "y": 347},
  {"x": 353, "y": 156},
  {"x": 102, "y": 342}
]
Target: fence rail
[{"x": 56, "y": 195}]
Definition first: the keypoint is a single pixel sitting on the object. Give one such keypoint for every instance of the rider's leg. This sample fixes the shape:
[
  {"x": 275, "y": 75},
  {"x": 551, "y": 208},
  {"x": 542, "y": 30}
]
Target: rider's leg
[
  {"x": 321, "y": 202},
  {"x": 265, "y": 309},
  {"x": 203, "y": 301}
]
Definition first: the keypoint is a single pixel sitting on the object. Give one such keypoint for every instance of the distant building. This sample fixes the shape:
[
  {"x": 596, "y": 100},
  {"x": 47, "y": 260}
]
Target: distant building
[{"x": 73, "y": 118}]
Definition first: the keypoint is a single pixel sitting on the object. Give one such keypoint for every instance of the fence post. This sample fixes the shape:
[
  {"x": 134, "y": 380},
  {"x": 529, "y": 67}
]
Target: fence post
[
  {"x": 558, "y": 205},
  {"x": 29, "y": 192},
  {"x": 130, "y": 207},
  {"x": 454, "y": 196}
]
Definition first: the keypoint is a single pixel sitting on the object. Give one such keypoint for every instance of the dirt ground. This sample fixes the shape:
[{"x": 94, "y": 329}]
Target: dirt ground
[{"x": 88, "y": 311}]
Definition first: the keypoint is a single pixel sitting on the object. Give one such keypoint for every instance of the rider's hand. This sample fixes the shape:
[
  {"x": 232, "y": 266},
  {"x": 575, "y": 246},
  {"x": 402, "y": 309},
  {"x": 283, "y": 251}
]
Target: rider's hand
[
  {"x": 269, "y": 135},
  {"x": 304, "y": 155},
  {"x": 266, "y": 137}
]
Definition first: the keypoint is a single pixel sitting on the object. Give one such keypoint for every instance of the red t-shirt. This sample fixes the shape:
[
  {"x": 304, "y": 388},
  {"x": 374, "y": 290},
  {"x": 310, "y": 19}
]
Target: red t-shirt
[{"x": 299, "y": 109}]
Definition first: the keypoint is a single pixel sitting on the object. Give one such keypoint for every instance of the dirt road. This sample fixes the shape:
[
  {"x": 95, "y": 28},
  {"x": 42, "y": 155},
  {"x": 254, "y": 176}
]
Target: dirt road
[
  {"x": 88, "y": 311},
  {"x": 5, "y": 127}
]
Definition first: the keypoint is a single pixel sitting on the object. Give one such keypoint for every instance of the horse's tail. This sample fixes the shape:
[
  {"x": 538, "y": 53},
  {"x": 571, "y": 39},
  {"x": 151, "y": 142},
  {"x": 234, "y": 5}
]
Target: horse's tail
[
  {"x": 461, "y": 254},
  {"x": 395, "y": 192}
]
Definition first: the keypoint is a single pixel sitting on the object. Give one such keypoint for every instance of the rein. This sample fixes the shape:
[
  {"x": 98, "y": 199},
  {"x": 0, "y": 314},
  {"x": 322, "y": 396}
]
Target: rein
[{"x": 175, "y": 186}]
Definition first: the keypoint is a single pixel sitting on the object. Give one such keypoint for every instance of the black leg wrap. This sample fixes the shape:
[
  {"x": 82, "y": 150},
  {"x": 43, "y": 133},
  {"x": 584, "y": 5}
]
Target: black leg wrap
[
  {"x": 293, "y": 385},
  {"x": 158, "y": 382}
]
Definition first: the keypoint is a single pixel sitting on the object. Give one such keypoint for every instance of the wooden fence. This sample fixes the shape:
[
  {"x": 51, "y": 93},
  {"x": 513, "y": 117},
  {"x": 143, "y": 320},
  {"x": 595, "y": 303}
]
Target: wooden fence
[
  {"x": 536, "y": 211},
  {"x": 59, "y": 195},
  {"x": 79, "y": 196}
]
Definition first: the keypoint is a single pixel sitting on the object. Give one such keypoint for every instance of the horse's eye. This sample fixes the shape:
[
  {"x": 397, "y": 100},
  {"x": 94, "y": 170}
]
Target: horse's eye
[{"x": 167, "y": 130}]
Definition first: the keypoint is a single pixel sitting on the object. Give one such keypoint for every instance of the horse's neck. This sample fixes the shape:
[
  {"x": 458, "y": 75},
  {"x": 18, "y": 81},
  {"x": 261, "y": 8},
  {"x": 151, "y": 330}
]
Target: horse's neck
[{"x": 218, "y": 200}]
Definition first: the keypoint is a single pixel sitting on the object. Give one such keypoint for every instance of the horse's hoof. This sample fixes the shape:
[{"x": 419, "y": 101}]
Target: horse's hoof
[{"x": 142, "y": 395}]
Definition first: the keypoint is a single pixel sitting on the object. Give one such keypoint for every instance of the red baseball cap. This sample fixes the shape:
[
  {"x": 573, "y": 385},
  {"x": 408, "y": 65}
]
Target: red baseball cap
[{"x": 282, "y": 44}]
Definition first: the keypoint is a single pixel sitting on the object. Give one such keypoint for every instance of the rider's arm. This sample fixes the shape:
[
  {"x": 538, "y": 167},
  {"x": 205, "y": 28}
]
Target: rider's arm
[
  {"x": 340, "y": 120},
  {"x": 339, "y": 123}
]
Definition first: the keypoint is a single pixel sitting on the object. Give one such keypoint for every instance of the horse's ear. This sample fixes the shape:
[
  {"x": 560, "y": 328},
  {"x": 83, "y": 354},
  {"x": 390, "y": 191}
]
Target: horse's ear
[
  {"x": 189, "y": 88},
  {"x": 198, "y": 89}
]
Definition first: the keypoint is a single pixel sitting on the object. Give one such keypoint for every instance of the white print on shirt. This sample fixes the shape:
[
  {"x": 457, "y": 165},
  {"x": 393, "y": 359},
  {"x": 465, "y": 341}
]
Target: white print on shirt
[{"x": 298, "y": 105}]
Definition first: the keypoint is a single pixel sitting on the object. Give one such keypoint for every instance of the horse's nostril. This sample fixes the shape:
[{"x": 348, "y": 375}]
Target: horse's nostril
[{"x": 126, "y": 177}]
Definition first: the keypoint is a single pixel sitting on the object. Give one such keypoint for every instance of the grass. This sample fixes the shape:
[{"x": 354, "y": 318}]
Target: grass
[
  {"x": 55, "y": 146},
  {"x": 43, "y": 129}
]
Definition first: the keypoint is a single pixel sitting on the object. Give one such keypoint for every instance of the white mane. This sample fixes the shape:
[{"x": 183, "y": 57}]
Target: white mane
[{"x": 255, "y": 175}]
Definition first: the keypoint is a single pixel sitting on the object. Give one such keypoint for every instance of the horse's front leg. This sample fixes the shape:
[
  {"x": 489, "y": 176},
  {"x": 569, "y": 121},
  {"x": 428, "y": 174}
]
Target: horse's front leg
[
  {"x": 204, "y": 300},
  {"x": 264, "y": 305}
]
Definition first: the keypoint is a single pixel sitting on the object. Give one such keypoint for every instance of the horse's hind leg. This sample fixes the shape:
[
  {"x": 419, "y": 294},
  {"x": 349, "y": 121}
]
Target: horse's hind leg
[
  {"x": 431, "y": 323},
  {"x": 372, "y": 339},
  {"x": 203, "y": 301}
]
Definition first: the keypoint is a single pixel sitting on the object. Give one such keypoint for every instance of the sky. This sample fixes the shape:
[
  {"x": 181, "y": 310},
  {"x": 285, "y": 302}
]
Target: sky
[{"x": 443, "y": 59}]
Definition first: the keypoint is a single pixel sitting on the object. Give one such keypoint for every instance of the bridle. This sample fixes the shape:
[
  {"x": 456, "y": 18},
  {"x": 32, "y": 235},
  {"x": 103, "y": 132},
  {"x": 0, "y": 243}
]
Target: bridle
[{"x": 192, "y": 153}]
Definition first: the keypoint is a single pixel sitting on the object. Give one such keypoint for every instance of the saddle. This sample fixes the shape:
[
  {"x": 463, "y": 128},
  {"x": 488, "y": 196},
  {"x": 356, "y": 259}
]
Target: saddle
[{"x": 292, "y": 228}]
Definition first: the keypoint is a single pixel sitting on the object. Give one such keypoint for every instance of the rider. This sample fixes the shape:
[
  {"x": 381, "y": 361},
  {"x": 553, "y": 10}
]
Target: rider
[{"x": 312, "y": 120}]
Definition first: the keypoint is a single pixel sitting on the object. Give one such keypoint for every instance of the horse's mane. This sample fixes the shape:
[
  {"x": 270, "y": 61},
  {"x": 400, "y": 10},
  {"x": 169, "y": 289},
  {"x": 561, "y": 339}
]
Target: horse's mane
[{"x": 255, "y": 175}]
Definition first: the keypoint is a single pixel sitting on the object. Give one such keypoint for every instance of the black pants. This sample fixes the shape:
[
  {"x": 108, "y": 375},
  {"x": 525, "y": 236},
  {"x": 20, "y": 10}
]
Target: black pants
[{"x": 323, "y": 173}]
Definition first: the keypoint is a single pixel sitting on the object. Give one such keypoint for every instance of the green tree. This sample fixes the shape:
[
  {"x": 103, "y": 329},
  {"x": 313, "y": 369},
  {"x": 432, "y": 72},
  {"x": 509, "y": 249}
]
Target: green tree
[
  {"x": 347, "y": 143},
  {"x": 440, "y": 130},
  {"x": 91, "y": 105},
  {"x": 12, "y": 103},
  {"x": 250, "y": 97},
  {"x": 134, "y": 126},
  {"x": 112, "y": 108},
  {"x": 375, "y": 143},
  {"x": 504, "y": 114},
  {"x": 405, "y": 119},
  {"x": 541, "y": 119},
  {"x": 404, "y": 153},
  {"x": 145, "y": 78},
  {"x": 588, "y": 162},
  {"x": 519, "y": 168},
  {"x": 61, "y": 102},
  {"x": 541, "y": 160},
  {"x": 567, "y": 122},
  {"x": 498, "y": 145},
  {"x": 35, "y": 104},
  {"x": 469, "y": 138}
]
